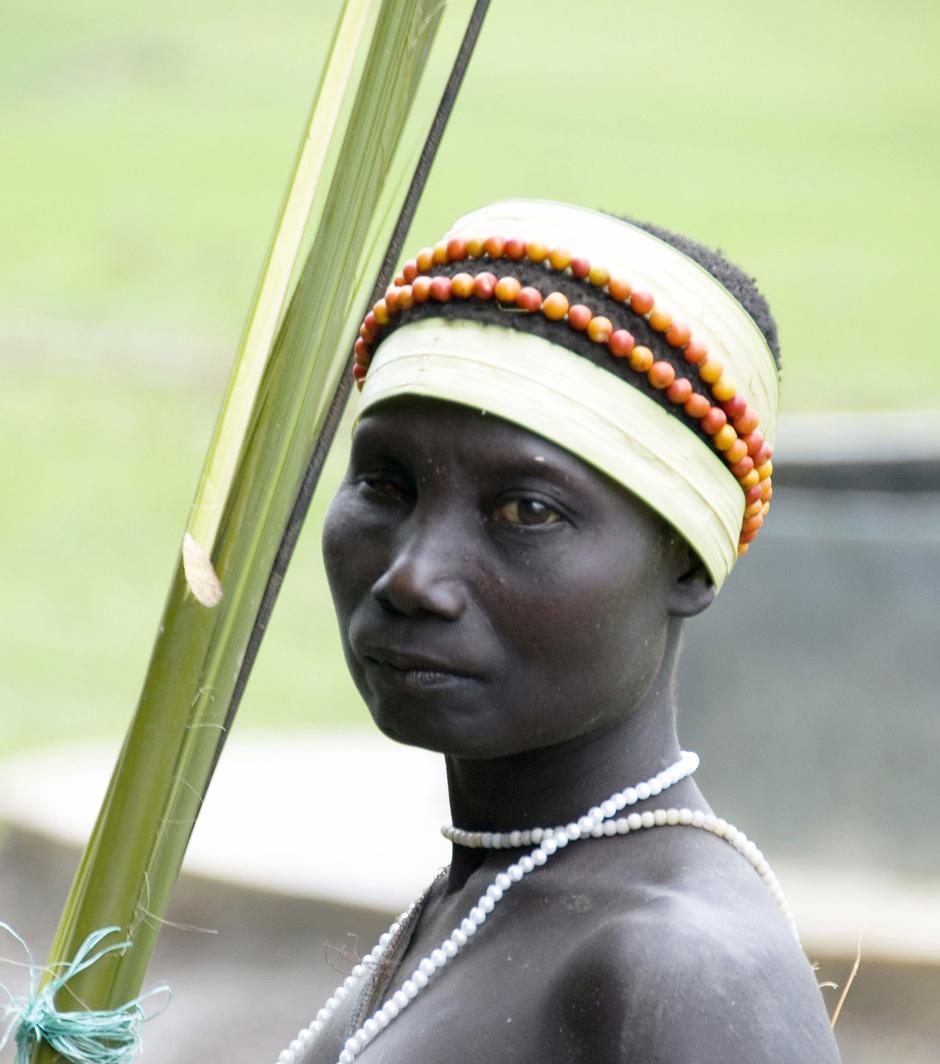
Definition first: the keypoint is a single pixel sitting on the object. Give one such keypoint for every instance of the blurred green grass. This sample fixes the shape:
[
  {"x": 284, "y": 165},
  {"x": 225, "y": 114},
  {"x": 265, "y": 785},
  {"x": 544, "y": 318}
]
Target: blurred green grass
[{"x": 143, "y": 157}]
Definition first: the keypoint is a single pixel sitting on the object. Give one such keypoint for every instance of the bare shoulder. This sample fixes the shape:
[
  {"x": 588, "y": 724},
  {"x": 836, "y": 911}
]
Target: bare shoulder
[{"x": 691, "y": 978}]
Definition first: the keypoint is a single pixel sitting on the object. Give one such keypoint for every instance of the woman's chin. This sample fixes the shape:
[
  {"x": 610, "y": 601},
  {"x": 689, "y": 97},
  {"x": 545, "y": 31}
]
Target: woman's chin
[
  {"x": 440, "y": 736},
  {"x": 451, "y": 732}
]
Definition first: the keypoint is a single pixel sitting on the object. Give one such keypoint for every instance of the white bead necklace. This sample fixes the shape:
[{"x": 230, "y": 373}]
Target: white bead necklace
[
  {"x": 654, "y": 818},
  {"x": 598, "y": 822}
]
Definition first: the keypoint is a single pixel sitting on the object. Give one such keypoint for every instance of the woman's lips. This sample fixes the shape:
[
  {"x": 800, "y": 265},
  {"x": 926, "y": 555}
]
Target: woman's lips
[{"x": 400, "y": 667}]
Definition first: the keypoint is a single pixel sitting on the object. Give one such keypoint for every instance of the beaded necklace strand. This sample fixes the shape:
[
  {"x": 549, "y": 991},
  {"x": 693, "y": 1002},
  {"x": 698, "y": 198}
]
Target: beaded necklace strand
[{"x": 600, "y": 821}]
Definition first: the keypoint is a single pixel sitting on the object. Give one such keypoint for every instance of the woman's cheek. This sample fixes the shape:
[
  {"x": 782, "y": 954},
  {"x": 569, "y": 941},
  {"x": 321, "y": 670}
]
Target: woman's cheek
[{"x": 342, "y": 531}]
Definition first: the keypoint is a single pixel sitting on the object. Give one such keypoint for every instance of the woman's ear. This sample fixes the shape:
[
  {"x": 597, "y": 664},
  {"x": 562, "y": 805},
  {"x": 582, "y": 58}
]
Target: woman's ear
[{"x": 693, "y": 590}]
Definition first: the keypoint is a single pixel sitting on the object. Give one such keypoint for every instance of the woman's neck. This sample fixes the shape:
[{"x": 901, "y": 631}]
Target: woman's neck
[{"x": 542, "y": 788}]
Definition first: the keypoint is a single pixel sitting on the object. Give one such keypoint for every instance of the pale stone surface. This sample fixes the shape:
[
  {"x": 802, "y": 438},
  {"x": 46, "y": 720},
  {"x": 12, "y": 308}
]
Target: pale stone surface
[
  {"x": 313, "y": 816},
  {"x": 310, "y": 815}
]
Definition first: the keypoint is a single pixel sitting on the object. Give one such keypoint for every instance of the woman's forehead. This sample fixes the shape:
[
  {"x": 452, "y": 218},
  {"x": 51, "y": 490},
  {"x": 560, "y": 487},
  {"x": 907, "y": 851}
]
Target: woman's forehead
[{"x": 434, "y": 426}]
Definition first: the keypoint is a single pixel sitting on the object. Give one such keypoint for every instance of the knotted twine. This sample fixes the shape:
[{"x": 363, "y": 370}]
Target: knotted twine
[{"x": 104, "y": 1036}]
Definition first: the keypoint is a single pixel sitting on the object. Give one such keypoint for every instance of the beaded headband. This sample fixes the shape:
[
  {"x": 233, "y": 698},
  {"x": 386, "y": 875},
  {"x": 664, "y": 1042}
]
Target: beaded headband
[{"x": 712, "y": 483}]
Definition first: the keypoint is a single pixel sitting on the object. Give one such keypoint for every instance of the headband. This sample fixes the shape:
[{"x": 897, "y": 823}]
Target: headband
[{"x": 711, "y": 481}]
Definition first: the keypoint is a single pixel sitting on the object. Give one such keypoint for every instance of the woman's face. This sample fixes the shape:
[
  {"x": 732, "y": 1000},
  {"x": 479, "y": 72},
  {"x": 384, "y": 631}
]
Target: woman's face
[{"x": 494, "y": 593}]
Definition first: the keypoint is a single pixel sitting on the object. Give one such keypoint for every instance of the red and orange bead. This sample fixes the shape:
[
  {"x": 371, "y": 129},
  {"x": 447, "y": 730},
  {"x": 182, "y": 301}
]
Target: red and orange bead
[
  {"x": 678, "y": 335},
  {"x": 753, "y": 508},
  {"x": 714, "y": 420},
  {"x": 641, "y": 359},
  {"x": 619, "y": 289},
  {"x": 737, "y": 452},
  {"x": 536, "y": 252},
  {"x": 598, "y": 276},
  {"x": 559, "y": 258},
  {"x": 484, "y": 285},
  {"x": 723, "y": 390},
  {"x": 578, "y": 316},
  {"x": 697, "y": 406},
  {"x": 745, "y": 423},
  {"x": 507, "y": 288},
  {"x": 555, "y": 306},
  {"x": 724, "y": 437},
  {"x": 764, "y": 452},
  {"x": 440, "y": 289},
  {"x": 641, "y": 302},
  {"x": 621, "y": 343},
  {"x": 661, "y": 374},
  {"x": 680, "y": 391},
  {"x": 734, "y": 406},
  {"x": 529, "y": 299},
  {"x": 369, "y": 330},
  {"x": 695, "y": 352},
  {"x": 599, "y": 329},
  {"x": 461, "y": 286},
  {"x": 743, "y": 466},
  {"x": 754, "y": 441},
  {"x": 711, "y": 370}
]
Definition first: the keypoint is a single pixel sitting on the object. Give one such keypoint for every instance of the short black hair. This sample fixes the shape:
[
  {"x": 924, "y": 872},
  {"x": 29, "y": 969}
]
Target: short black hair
[{"x": 739, "y": 284}]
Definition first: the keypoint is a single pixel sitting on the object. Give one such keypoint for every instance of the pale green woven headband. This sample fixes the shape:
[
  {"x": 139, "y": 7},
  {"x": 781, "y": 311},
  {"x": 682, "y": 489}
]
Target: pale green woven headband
[{"x": 560, "y": 395}]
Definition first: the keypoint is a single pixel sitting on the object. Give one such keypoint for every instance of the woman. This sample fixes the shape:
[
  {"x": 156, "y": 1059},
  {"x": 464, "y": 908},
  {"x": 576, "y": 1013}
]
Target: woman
[{"x": 559, "y": 457}]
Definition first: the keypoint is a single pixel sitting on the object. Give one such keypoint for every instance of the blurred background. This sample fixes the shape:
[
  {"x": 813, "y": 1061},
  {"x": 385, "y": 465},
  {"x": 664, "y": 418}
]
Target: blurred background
[{"x": 144, "y": 154}]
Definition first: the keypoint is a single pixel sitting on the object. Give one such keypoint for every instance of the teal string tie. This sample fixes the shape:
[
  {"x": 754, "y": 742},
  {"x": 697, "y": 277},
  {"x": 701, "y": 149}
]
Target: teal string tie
[{"x": 104, "y": 1036}]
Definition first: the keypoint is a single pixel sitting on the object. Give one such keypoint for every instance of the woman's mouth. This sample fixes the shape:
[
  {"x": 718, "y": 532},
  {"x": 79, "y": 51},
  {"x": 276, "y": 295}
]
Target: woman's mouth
[{"x": 397, "y": 668}]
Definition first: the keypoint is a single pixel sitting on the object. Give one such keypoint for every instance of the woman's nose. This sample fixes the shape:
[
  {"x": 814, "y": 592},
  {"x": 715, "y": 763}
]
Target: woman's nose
[{"x": 424, "y": 575}]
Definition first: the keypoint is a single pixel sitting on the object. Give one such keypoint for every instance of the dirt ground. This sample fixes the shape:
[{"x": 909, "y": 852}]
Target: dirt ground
[{"x": 241, "y": 994}]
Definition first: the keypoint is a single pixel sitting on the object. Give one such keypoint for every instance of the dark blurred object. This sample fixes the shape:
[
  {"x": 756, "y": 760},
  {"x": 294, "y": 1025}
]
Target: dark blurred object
[{"x": 812, "y": 687}]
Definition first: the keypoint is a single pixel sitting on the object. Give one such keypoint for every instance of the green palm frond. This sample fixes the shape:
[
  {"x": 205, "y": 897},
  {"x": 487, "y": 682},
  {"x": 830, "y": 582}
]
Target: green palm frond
[{"x": 378, "y": 97}]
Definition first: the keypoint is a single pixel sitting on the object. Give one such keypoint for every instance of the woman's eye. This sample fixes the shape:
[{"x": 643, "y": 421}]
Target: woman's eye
[
  {"x": 528, "y": 513},
  {"x": 382, "y": 486}
]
